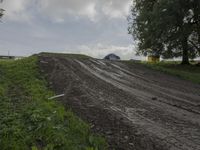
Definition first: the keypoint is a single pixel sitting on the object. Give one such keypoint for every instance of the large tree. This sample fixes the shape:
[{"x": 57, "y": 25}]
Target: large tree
[{"x": 170, "y": 28}]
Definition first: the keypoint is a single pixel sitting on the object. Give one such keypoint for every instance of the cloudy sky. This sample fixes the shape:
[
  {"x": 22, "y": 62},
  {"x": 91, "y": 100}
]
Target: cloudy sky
[{"x": 92, "y": 27}]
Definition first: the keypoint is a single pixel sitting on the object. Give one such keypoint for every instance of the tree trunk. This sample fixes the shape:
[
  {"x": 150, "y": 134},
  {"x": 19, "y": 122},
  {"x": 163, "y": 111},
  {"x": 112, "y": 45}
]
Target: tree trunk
[{"x": 185, "y": 58}]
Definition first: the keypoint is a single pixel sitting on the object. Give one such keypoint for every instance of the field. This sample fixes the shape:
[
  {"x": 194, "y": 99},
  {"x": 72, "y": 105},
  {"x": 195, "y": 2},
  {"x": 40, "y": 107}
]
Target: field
[
  {"x": 30, "y": 121},
  {"x": 188, "y": 72}
]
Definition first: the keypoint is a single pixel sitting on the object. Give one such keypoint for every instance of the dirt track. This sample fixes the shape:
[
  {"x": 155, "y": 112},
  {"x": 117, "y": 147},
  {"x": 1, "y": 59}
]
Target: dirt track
[{"x": 135, "y": 108}]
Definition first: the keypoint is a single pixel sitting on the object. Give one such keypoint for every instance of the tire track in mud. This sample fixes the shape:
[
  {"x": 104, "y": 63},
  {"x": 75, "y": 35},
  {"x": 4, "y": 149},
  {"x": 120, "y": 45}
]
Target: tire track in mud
[
  {"x": 170, "y": 94},
  {"x": 141, "y": 96},
  {"x": 131, "y": 110}
]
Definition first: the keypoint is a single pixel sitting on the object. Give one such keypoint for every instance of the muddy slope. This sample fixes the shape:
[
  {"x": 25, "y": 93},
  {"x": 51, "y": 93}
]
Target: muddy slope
[{"x": 133, "y": 107}]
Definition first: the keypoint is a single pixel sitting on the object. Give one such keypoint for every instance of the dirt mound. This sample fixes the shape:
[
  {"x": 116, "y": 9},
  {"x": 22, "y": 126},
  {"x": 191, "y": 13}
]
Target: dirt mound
[{"x": 135, "y": 108}]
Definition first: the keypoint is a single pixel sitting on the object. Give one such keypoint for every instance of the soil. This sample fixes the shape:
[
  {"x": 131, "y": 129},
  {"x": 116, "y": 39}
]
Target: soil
[{"x": 133, "y": 107}]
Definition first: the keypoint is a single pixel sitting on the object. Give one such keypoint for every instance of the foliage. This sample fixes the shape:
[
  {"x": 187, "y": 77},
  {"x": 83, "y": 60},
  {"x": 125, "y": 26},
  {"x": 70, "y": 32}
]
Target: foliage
[
  {"x": 30, "y": 121},
  {"x": 1, "y": 10},
  {"x": 170, "y": 28}
]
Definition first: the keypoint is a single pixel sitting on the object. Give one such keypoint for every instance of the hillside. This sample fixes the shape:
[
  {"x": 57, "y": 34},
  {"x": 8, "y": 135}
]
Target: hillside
[
  {"x": 132, "y": 106},
  {"x": 30, "y": 120}
]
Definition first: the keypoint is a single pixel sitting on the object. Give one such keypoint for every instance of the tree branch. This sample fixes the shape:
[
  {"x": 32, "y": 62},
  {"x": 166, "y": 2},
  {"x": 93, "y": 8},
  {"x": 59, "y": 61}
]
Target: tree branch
[{"x": 191, "y": 42}]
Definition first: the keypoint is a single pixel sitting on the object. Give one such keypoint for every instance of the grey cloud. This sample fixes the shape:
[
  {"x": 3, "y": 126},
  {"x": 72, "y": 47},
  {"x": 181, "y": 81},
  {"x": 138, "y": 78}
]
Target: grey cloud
[
  {"x": 59, "y": 9},
  {"x": 16, "y": 10},
  {"x": 116, "y": 8},
  {"x": 93, "y": 27},
  {"x": 101, "y": 50}
]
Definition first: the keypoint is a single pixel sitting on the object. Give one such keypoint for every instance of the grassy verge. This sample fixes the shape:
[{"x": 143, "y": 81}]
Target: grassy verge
[
  {"x": 188, "y": 72},
  {"x": 30, "y": 121}
]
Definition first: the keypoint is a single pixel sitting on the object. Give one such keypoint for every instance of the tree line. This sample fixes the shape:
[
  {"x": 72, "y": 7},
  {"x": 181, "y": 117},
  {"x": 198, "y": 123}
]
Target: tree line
[{"x": 167, "y": 28}]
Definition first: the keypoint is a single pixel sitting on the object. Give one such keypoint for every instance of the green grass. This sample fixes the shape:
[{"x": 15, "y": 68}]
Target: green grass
[
  {"x": 187, "y": 72},
  {"x": 30, "y": 121},
  {"x": 73, "y": 56}
]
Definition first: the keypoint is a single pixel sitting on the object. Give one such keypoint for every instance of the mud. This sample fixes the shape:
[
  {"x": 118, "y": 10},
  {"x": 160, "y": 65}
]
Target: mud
[{"x": 135, "y": 108}]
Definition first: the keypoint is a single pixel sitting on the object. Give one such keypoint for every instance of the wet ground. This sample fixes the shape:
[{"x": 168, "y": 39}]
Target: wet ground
[{"x": 134, "y": 107}]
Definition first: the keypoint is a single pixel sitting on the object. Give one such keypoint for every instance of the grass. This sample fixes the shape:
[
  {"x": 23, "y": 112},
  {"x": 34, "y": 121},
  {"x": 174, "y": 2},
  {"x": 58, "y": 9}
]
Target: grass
[
  {"x": 30, "y": 121},
  {"x": 73, "y": 56},
  {"x": 187, "y": 72}
]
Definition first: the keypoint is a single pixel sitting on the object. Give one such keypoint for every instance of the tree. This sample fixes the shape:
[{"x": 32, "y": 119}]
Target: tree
[
  {"x": 171, "y": 28},
  {"x": 1, "y": 10}
]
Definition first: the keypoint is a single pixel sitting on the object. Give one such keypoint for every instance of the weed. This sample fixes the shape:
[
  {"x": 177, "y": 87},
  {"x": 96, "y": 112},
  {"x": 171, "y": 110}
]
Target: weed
[{"x": 30, "y": 121}]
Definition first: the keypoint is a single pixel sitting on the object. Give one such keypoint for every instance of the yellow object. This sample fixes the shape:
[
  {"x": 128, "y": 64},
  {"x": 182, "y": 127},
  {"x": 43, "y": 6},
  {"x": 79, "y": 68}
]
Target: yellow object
[{"x": 153, "y": 59}]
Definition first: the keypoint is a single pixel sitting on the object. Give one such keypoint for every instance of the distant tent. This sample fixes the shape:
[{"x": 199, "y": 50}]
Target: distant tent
[{"x": 112, "y": 57}]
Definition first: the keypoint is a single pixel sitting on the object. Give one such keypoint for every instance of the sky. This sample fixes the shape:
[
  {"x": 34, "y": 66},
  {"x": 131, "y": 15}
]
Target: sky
[{"x": 91, "y": 27}]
